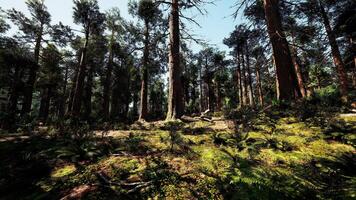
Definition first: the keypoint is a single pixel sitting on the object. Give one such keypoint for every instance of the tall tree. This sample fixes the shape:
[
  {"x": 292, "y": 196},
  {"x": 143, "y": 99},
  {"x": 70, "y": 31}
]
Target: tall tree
[
  {"x": 34, "y": 29},
  {"x": 286, "y": 77},
  {"x": 86, "y": 13},
  {"x": 49, "y": 78},
  {"x": 149, "y": 13},
  {"x": 175, "y": 100},
  {"x": 114, "y": 25}
]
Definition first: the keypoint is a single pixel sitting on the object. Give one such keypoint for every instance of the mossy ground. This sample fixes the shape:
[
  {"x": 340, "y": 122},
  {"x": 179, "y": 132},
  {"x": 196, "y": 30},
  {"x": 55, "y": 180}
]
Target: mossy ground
[{"x": 277, "y": 158}]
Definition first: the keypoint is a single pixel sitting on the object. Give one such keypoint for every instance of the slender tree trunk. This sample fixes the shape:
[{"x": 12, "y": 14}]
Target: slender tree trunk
[
  {"x": 283, "y": 61},
  {"x": 201, "y": 91},
  {"x": 72, "y": 91},
  {"x": 12, "y": 100},
  {"x": 259, "y": 84},
  {"x": 88, "y": 93},
  {"x": 144, "y": 81},
  {"x": 79, "y": 86},
  {"x": 239, "y": 79},
  {"x": 298, "y": 69},
  {"x": 28, "y": 91},
  {"x": 340, "y": 66},
  {"x": 61, "y": 110},
  {"x": 107, "y": 84},
  {"x": 244, "y": 79},
  {"x": 175, "y": 103},
  {"x": 45, "y": 103},
  {"x": 218, "y": 97},
  {"x": 250, "y": 88}
]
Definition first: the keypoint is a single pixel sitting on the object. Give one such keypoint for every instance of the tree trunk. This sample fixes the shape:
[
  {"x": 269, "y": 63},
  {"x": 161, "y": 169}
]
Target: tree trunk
[
  {"x": 144, "y": 81},
  {"x": 340, "y": 66},
  {"x": 244, "y": 79},
  {"x": 239, "y": 80},
  {"x": 218, "y": 97},
  {"x": 259, "y": 84},
  {"x": 13, "y": 100},
  {"x": 175, "y": 103},
  {"x": 201, "y": 91},
  {"x": 297, "y": 68},
  {"x": 72, "y": 91},
  {"x": 107, "y": 84},
  {"x": 61, "y": 110},
  {"x": 282, "y": 57},
  {"x": 88, "y": 93},
  {"x": 79, "y": 86},
  {"x": 45, "y": 103},
  {"x": 353, "y": 48},
  {"x": 28, "y": 90},
  {"x": 250, "y": 88}
]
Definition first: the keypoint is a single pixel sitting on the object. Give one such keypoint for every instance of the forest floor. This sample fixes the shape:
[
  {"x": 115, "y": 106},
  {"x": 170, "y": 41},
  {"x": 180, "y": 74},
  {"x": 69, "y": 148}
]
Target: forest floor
[{"x": 272, "y": 155}]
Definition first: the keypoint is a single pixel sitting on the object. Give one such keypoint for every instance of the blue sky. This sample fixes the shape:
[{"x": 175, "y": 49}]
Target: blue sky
[{"x": 215, "y": 26}]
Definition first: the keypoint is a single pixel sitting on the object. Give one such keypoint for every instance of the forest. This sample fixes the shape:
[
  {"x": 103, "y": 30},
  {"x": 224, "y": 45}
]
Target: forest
[{"x": 118, "y": 108}]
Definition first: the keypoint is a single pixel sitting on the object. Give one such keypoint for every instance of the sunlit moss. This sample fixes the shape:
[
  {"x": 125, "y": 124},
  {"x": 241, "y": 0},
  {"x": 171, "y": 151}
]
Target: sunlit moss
[
  {"x": 63, "y": 171},
  {"x": 325, "y": 149}
]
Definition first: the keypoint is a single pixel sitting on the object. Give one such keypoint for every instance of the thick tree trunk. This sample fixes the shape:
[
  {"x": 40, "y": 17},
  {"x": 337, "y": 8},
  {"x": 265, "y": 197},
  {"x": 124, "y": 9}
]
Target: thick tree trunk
[
  {"x": 259, "y": 85},
  {"x": 250, "y": 88},
  {"x": 28, "y": 90},
  {"x": 340, "y": 66},
  {"x": 107, "y": 84},
  {"x": 284, "y": 66},
  {"x": 144, "y": 81},
  {"x": 175, "y": 103},
  {"x": 79, "y": 86},
  {"x": 353, "y": 48}
]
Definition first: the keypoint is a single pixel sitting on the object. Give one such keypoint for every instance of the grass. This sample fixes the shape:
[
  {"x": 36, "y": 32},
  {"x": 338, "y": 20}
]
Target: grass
[{"x": 280, "y": 158}]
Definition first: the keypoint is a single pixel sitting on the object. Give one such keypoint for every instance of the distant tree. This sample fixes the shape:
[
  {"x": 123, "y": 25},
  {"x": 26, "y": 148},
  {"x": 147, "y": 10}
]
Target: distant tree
[
  {"x": 34, "y": 30},
  {"x": 49, "y": 79}
]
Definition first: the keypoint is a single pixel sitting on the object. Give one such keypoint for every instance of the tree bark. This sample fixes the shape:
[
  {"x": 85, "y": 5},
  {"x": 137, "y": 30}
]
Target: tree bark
[
  {"x": 340, "y": 66},
  {"x": 259, "y": 84},
  {"x": 239, "y": 80},
  {"x": 297, "y": 68},
  {"x": 175, "y": 103},
  {"x": 79, "y": 86},
  {"x": 282, "y": 56},
  {"x": 144, "y": 81},
  {"x": 244, "y": 79},
  {"x": 45, "y": 103},
  {"x": 353, "y": 48},
  {"x": 107, "y": 84},
  {"x": 88, "y": 93},
  {"x": 72, "y": 91},
  {"x": 250, "y": 88}
]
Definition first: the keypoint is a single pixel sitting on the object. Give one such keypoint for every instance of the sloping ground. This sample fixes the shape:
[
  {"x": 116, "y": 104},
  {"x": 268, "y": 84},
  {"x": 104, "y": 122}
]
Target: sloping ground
[{"x": 271, "y": 157}]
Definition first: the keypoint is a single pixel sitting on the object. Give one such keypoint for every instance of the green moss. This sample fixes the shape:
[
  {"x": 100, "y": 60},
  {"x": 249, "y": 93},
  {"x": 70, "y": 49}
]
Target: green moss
[{"x": 63, "y": 171}]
